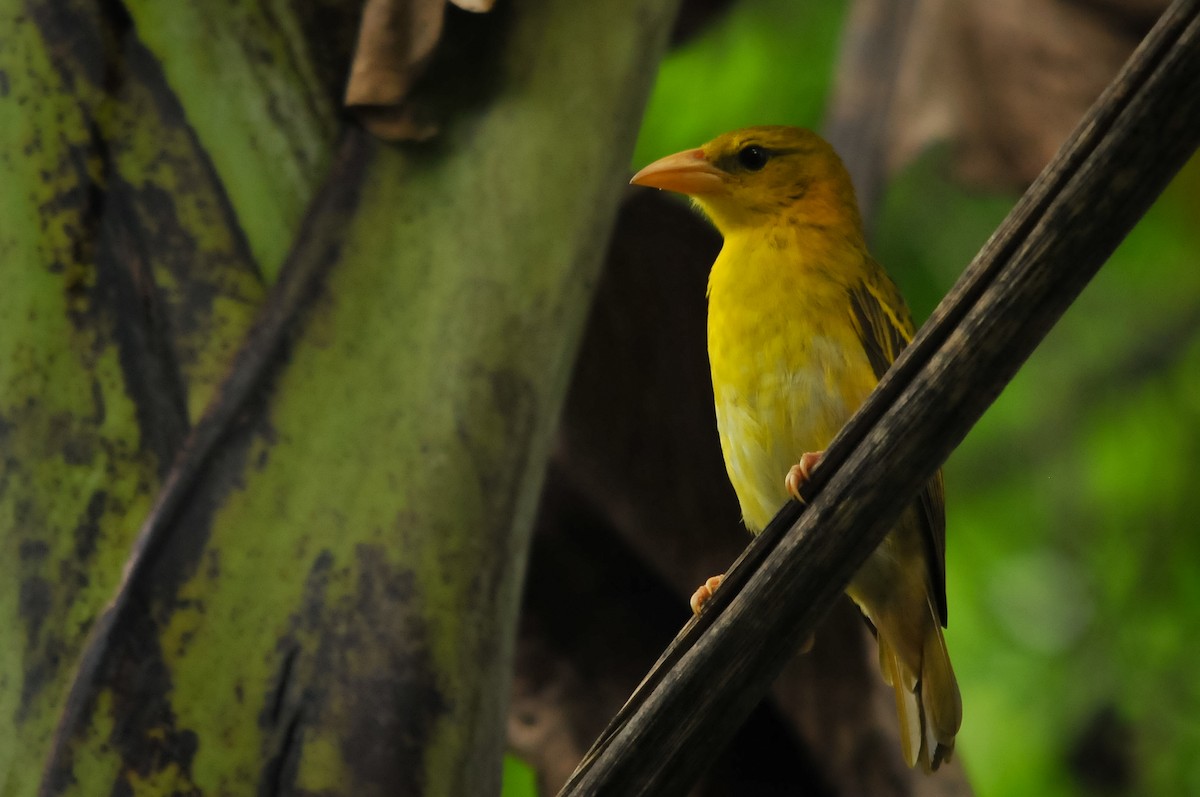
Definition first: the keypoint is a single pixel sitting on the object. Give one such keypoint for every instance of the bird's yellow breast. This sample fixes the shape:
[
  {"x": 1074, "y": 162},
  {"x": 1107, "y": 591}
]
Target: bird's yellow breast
[{"x": 788, "y": 367}]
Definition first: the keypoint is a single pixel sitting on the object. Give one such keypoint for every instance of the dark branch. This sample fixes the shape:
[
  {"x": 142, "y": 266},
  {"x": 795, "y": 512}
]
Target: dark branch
[{"x": 1139, "y": 133}]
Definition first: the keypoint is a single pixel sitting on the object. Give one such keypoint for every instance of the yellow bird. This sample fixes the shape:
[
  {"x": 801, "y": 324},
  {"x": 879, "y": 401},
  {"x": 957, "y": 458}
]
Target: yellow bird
[{"x": 802, "y": 324}]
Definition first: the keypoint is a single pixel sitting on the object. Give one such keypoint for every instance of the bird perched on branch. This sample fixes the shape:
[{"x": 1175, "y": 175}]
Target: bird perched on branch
[{"x": 802, "y": 324}]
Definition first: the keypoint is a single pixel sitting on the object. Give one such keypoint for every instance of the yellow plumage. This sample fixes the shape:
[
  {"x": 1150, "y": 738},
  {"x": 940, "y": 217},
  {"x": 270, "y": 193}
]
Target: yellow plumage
[
  {"x": 785, "y": 375},
  {"x": 802, "y": 323}
]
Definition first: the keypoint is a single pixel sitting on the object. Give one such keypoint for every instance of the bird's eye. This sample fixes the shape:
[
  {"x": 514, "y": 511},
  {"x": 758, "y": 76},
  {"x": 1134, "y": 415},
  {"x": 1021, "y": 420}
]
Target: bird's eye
[{"x": 753, "y": 157}]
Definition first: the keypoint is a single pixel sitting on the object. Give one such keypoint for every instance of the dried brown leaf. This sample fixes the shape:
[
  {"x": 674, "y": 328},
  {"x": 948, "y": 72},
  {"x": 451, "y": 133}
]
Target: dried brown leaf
[
  {"x": 396, "y": 40},
  {"x": 403, "y": 122}
]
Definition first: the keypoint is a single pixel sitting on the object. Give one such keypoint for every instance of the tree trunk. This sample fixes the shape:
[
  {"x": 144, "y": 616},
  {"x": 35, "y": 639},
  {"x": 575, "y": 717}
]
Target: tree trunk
[{"x": 334, "y": 471}]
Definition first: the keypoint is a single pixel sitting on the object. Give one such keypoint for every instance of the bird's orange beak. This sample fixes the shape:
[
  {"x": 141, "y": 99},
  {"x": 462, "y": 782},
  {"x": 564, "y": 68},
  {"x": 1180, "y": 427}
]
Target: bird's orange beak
[{"x": 685, "y": 172}]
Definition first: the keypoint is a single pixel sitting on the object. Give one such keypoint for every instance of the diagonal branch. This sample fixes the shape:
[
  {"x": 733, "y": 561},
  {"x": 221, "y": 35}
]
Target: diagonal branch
[{"x": 1139, "y": 133}]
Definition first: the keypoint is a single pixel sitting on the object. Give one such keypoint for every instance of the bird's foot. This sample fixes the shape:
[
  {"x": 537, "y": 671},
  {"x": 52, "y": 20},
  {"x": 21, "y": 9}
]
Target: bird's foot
[
  {"x": 801, "y": 472},
  {"x": 704, "y": 592}
]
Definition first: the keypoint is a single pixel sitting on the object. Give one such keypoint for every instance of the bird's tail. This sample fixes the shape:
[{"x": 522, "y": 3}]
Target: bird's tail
[{"x": 927, "y": 697}]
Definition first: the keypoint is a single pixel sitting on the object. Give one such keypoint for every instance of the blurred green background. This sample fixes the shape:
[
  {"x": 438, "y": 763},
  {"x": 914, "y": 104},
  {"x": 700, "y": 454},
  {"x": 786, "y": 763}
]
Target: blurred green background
[{"x": 1073, "y": 559}]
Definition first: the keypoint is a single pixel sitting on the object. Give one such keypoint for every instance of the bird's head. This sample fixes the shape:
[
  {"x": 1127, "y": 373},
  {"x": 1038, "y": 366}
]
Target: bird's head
[{"x": 760, "y": 176}]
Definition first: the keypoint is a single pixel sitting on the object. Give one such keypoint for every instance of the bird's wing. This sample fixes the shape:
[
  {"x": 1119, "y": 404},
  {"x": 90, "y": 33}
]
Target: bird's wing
[
  {"x": 885, "y": 328},
  {"x": 884, "y": 325}
]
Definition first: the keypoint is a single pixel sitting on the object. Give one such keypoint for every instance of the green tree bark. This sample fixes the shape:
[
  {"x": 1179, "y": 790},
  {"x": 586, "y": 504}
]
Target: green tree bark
[{"x": 323, "y": 592}]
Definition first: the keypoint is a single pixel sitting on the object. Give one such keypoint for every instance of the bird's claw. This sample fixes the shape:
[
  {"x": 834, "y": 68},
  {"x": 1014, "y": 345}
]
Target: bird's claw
[
  {"x": 801, "y": 472},
  {"x": 704, "y": 592}
]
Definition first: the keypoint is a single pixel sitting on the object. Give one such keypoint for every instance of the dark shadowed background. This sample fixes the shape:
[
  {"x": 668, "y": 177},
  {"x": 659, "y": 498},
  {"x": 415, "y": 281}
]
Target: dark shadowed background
[{"x": 1072, "y": 555}]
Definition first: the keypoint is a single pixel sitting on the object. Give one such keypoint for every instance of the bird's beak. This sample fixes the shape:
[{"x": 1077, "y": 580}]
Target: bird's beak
[{"x": 686, "y": 172}]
